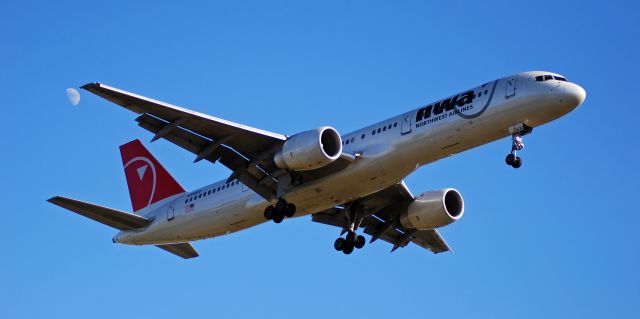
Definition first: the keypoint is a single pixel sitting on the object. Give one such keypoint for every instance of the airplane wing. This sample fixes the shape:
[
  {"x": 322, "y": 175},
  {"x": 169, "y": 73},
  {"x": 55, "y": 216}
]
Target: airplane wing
[
  {"x": 380, "y": 223},
  {"x": 246, "y": 151},
  {"x": 111, "y": 217},
  {"x": 184, "y": 250}
]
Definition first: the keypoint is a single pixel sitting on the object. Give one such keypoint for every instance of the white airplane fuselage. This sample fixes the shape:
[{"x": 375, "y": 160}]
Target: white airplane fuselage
[{"x": 384, "y": 153}]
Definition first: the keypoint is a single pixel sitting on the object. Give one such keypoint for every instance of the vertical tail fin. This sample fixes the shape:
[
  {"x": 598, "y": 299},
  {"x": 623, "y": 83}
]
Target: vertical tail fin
[{"x": 148, "y": 181}]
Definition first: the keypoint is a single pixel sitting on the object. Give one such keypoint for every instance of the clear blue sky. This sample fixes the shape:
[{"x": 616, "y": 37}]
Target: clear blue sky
[{"x": 557, "y": 238}]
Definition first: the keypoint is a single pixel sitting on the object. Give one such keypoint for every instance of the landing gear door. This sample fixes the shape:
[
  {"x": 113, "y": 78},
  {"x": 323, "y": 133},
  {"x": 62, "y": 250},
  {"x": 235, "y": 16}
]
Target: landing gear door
[
  {"x": 406, "y": 123},
  {"x": 171, "y": 210},
  {"x": 510, "y": 87}
]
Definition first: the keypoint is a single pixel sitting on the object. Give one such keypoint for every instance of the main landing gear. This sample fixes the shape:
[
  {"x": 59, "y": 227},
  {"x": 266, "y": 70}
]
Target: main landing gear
[
  {"x": 279, "y": 211},
  {"x": 513, "y": 159},
  {"x": 352, "y": 240}
]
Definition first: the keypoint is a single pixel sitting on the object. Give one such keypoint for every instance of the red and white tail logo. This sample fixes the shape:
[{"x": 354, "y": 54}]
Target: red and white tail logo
[{"x": 148, "y": 181}]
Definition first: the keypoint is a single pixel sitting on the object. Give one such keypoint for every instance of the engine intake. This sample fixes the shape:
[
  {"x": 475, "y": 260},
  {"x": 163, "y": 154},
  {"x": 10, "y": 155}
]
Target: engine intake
[
  {"x": 310, "y": 149},
  {"x": 433, "y": 209}
]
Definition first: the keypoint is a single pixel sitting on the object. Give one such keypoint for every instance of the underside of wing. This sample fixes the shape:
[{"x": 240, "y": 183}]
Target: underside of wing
[
  {"x": 248, "y": 152},
  {"x": 381, "y": 210}
]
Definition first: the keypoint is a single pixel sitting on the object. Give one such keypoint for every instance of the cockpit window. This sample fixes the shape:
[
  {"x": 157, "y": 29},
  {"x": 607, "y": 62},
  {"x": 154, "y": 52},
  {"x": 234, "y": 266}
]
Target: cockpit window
[{"x": 547, "y": 77}]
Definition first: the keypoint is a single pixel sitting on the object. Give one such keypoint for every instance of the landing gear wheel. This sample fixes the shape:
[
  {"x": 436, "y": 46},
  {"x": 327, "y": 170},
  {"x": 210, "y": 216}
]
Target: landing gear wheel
[
  {"x": 339, "y": 244},
  {"x": 359, "y": 243},
  {"x": 268, "y": 213},
  {"x": 278, "y": 217},
  {"x": 510, "y": 158},
  {"x": 351, "y": 238},
  {"x": 347, "y": 248},
  {"x": 517, "y": 162},
  {"x": 290, "y": 210}
]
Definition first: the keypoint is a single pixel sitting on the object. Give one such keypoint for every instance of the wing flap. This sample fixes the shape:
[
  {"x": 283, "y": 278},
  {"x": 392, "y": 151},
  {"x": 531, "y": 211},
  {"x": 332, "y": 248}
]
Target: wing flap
[
  {"x": 431, "y": 239},
  {"x": 184, "y": 250},
  {"x": 111, "y": 217},
  {"x": 252, "y": 177}
]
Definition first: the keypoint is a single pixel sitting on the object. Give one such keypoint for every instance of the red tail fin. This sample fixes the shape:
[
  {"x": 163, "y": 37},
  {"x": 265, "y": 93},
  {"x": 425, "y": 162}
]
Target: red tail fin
[{"x": 148, "y": 181}]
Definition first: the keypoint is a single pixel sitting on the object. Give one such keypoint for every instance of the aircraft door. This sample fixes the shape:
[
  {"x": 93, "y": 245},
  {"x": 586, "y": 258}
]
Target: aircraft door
[
  {"x": 171, "y": 210},
  {"x": 510, "y": 87},
  {"x": 406, "y": 123}
]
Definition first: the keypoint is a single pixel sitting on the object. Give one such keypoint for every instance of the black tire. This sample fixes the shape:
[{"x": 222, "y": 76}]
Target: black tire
[
  {"x": 268, "y": 213},
  {"x": 338, "y": 244},
  {"x": 347, "y": 248},
  {"x": 510, "y": 159},
  {"x": 281, "y": 205},
  {"x": 278, "y": 217},
  {"x": 290, "y": 210},
  {"x": 517, "y": 162},
  {"x": 351, "y": 238},
  {"x": 359, "y": 242}
]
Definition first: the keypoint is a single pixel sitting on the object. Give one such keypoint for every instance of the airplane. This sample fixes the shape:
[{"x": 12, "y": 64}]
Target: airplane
[{"x": 352, "y": 181}]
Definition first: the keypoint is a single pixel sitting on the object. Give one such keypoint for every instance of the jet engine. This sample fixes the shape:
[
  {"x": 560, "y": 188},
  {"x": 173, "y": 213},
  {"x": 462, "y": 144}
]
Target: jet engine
[
  {"x": 310, "y": 149},
  {"x": 433, "y": 209}
]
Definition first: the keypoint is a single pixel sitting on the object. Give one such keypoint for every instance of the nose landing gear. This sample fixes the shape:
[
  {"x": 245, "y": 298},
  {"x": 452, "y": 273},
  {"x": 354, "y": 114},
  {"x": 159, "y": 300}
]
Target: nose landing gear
[
  {"x": 279, "y": 211},
  {"x": 513, "y": 159},
  {"x": 518, "y": 131}
]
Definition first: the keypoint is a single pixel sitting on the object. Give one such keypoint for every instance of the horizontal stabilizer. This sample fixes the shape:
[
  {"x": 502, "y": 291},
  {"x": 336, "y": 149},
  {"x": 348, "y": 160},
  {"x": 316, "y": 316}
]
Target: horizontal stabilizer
[
  {"x": 108, "y": 216},
  {"x": 184, "y": 250}
]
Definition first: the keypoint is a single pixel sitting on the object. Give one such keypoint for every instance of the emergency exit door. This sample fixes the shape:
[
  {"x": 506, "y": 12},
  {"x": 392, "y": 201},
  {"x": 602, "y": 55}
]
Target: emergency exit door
[{"x": 510, "y": 87}]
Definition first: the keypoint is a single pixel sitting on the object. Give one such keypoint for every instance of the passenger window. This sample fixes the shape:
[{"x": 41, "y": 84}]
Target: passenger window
[
  {"x": 384, "y": 129},
  {"x": 395, "y": 124},
  {"x": 353, "y": 139},
  {"x": 362, "y": 137},
  {"x": 373, "y": 132},
  {"x": 200, "y": 196},
  {"x": 379, "y": 130},
  {"x": 185, "y": 201},
  {"x": 218, "y": 188},
  {"x": 209, "y": 193},
  {"x": 347, "y": 142}
]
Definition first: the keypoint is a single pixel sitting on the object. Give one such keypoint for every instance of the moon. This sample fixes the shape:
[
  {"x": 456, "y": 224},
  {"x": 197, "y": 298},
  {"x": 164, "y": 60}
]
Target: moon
[{"x": 74, "y": 96}]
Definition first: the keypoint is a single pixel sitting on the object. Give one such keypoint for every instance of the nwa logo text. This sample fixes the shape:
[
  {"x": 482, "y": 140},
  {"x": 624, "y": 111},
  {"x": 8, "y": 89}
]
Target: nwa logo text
[{"x": 460, "y": 100}]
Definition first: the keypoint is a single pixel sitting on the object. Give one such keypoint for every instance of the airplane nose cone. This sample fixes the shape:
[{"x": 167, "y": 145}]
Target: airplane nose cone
[{"x": 574, "y": 95}]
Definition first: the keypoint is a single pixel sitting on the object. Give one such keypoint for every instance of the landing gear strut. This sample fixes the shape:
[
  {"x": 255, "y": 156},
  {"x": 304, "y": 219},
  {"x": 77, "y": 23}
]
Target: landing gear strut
[
  {"x": 279, "y": 211},
  {"x": 352, "y": 240},
  {"x": 513, "y": 159}
]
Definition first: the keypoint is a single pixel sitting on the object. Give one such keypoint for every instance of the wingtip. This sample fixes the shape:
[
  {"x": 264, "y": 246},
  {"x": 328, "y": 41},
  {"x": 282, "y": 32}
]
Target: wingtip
[
  {"x": 53, "y": 199},
  {"x": 91, "y": 85}
]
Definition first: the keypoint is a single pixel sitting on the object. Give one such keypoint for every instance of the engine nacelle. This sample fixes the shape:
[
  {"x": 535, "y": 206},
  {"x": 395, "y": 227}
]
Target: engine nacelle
[
  {"x": 433, "y": 209},
  {"x": 310, "y": 149}
]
